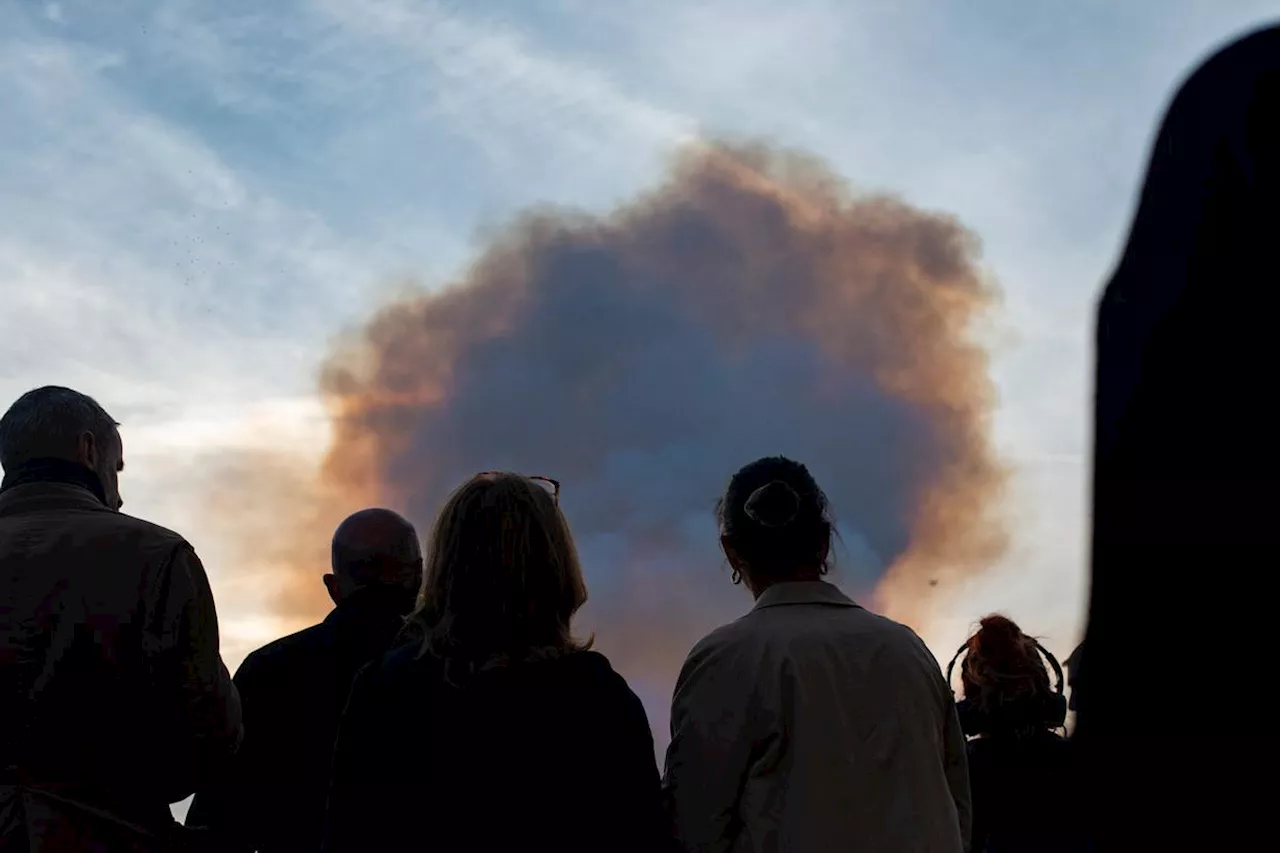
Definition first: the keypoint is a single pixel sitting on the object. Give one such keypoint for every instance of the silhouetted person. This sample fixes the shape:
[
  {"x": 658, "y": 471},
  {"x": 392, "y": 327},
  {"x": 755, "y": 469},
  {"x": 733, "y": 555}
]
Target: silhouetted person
[
  {"x": 495, "y": 729},
  {"x": 1185, "y": 493},
  {"x": 114, "y": 701},
  {"x": 1020, "y": 766},
  {"x": 810, "y": 724},
  {"x": 294, "y": 691}
]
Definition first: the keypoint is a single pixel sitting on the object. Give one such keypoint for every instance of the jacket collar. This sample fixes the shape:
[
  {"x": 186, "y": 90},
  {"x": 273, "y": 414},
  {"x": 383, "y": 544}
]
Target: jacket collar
[
  {"x": 373, "y": 604},
  {"x": 53, "y": 470},
  {"x": 803, "y": 592},
  {"x": 40, "y": 497}
]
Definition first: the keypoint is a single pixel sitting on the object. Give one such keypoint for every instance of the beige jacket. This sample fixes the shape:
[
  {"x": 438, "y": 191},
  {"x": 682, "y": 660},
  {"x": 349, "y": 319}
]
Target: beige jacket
[
  {"x": 114, "y": 701},
  {"x": 810, "y": 725}
]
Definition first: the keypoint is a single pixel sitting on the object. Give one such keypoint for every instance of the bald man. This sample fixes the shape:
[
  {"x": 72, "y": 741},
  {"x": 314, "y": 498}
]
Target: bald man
[{"x": 293, "y": 692}]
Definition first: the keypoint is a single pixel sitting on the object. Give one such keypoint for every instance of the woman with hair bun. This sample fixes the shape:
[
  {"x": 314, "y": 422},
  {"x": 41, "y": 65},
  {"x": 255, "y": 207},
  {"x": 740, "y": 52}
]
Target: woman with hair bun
[
  {"x": 1019, "y": 765},
  {"x": 810, "y": 724}
]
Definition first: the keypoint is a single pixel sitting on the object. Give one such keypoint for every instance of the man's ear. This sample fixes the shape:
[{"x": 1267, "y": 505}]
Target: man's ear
[
  {"x": 331, "y": 584},
  {"x": 87, "y": 451}
]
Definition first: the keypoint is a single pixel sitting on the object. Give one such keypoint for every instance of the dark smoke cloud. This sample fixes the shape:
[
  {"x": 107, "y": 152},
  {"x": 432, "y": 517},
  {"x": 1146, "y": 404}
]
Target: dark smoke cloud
[{"x": 752, "y": 305}]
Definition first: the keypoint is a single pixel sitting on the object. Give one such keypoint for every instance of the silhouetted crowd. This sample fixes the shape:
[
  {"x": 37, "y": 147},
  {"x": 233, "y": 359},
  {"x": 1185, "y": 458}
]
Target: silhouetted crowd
[
  {"x": 447, "y": 695},
  {"x": 445, "y": 703}
]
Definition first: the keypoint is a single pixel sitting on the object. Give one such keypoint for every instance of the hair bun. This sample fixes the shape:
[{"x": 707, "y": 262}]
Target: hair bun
[
  {"x": 999, "y": 637},
  {"x": 774, "y": 504},
  {"x": 1001, "y": 629}
]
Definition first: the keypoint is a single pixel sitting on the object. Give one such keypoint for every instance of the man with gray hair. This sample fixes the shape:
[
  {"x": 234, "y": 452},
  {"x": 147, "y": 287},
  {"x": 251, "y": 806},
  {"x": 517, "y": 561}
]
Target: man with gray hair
[
  {"x": 114, "y": 701},
  {"x": 295, "y": 689}
]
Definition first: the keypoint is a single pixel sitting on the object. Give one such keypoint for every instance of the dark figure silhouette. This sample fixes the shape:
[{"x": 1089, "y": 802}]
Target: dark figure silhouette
[
  {"x": 494, "y": 729},
  {"x": 810, "y": 724},
  {"x": 1185, "y": 492},
  {"x": 114, "y": 701},
  {"x": 294, "y": 691},
  {"x": 1020, "y": 766}
]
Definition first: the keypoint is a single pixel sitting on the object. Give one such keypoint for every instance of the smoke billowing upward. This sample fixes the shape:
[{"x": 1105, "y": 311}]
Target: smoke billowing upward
[{"x": 752, "y": 305}]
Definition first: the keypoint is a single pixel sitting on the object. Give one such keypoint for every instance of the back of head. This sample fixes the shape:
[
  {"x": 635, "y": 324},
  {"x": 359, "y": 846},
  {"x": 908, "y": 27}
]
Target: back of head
[
  {"x": 776, "y": 519},
  {"x": 57, "y": 433},
  {"x": 47, "y": 423},
  {"x": 503, "y": 579},
  {"x": 1003, "y": 666},
  {"x": 377, "y": 547},
  {"x": 375, "y": 553}
]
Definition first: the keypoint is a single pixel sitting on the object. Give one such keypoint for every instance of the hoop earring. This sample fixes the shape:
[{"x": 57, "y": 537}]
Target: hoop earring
[{"x": 736, "y": 577}]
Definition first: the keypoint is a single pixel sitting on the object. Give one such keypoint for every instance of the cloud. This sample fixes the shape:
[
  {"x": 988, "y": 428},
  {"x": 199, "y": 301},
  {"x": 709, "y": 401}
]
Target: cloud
[
  {"x": 487, "y": 78},
  {"x": 133, "y": 243},
  {"x": 749, "y": 305}
]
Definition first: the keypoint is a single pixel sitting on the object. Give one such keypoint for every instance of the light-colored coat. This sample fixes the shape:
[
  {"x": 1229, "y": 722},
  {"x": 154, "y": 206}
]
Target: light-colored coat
[{"x": 810, "y": 725}]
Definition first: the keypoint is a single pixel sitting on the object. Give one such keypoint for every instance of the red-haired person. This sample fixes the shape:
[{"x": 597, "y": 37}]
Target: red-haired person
[{"x": 1020, "y": 764}]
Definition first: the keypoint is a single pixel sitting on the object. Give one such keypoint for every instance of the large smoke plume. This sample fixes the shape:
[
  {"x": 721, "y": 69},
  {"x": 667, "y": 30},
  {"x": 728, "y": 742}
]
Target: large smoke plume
[{"x": 752, "y": 305}]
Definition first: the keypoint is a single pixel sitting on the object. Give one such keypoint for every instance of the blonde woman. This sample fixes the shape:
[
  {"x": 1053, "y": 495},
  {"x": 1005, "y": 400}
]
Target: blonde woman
[{"x": 494, "y": 728}]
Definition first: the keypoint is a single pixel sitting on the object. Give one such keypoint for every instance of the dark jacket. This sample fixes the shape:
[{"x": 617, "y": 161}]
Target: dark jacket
[
  {"x": 114, "y": 701},
  {"x": 1024, "y": 794},
  {"x": 293, "y": 692},
  {"x": 552, "y": 755}
]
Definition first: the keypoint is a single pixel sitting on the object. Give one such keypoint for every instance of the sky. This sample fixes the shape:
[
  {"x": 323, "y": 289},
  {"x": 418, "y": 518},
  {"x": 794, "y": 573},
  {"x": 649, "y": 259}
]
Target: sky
[{"x": 200, "y": 200}]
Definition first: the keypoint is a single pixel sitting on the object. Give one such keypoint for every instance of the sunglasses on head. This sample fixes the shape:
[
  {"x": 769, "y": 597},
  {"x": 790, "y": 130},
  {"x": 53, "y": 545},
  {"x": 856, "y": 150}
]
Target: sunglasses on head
[{"x": 548, "y": 485}]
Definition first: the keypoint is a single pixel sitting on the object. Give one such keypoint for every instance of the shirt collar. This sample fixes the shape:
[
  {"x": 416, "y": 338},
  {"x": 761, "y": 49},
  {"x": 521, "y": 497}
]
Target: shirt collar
[
  {"x": 803, "y": 592},
  {"x": 373, "y": 603},
  {"x": 41, "y": 497}
]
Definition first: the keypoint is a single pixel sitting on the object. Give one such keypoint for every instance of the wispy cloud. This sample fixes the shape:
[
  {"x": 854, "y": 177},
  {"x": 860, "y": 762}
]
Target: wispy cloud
[
  {"x": 155, "y": 253},
  {"x": 493, "y": 101}
]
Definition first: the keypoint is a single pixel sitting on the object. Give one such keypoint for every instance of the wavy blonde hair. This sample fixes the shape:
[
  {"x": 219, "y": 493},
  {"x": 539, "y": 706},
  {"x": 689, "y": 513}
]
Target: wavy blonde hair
[{"x": 502, "y": 579}]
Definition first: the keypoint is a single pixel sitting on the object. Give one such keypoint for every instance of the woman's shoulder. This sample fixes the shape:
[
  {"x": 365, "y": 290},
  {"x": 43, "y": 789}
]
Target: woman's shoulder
[
  {"x": 616, "y": 691},
  {"x": 591, "y": 671},
  {"x": 587, "y": 666},
  {"x": 728, "y": 642}
]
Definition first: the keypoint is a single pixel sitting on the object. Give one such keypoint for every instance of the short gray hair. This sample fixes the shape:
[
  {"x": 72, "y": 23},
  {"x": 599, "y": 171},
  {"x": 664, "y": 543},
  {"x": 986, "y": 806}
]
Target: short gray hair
[{"x": 48, "y": 422}]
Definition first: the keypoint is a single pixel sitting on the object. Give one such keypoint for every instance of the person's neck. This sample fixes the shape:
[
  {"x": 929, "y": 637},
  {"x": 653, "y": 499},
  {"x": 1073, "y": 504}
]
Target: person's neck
[
  {"x": 52, "y": 470},
  {"x": 379, "y": 597},
  {"x": 803, "y": 575}
]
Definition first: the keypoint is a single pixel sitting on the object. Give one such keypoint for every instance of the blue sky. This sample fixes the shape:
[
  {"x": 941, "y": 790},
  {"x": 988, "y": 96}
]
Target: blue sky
[{"x": 199, "y": 198}]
